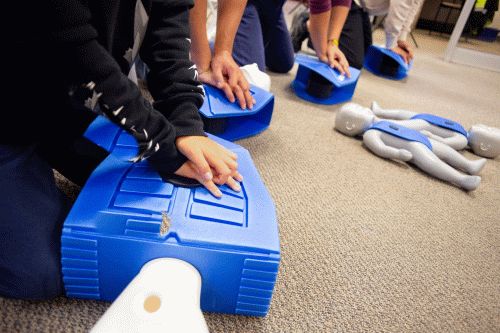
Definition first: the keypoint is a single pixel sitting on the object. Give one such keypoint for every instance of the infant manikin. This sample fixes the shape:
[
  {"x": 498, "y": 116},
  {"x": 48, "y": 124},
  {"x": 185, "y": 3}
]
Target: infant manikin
[
  {"x": 483, "y": 140},
  {"x": 391, "y": 139}
]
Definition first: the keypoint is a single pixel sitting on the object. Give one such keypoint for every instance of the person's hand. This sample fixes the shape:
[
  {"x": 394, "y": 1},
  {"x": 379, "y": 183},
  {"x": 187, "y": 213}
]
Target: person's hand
[
  {"x": 212, "y": 162},
  {"x": 335, "y": 58},
  {"x": 229, "y": 77},
  {"x": 404, "y": 50},
  {"x": 406, "y": 46},
  {"x": 189, "y": 170},
  {"x": 402, "y": 53},
  {"x": 226, "y": 75}
]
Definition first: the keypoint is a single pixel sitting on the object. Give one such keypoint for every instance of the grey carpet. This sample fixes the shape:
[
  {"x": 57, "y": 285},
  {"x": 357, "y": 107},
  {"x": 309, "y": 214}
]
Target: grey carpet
[{"x": 368, "y": 245}]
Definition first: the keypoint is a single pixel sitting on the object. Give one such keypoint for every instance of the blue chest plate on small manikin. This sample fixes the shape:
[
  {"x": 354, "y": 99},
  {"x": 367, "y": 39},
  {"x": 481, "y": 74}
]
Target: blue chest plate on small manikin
[
  {"x": 442, "y": 122},
  {"x": 228, "y": 121},
  {"x": 386, "y": 63},
  {"x": 401, "y": 132},
  {"x": 341, "y": 87}
]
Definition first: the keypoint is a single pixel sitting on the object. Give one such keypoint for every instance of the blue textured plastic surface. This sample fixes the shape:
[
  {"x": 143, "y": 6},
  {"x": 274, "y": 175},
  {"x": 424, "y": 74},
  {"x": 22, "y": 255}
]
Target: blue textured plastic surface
[
  {"x": 113, "y": 229},
  {"x": 374, "y": 59},
  {"x": 442, "y": 122},
  {"x": 343, "y": 87},
  {"x": 239, "y": 123},
  {"x": 401, "y": 132}
]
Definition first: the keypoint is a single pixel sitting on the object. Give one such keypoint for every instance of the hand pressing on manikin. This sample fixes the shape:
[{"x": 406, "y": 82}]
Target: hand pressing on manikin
[
  {"x": 226, "y": 75},
  {"x": 217, "y": 67},
  {"x": 209, "y": 163},
  {"x": 335, "y": 58},
  {"x": 404, "y": 50}
]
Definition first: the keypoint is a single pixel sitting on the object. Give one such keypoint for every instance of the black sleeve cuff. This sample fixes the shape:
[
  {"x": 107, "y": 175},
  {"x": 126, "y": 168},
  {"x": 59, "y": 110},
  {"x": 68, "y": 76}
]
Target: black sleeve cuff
[
  {"x": 185, "y": 118},
  {"x": 167, "y": 161}
]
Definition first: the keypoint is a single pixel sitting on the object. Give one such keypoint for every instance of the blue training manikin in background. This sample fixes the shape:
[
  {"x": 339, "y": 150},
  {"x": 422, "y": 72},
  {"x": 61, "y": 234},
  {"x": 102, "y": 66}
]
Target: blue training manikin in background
[
  {"x": 126, "y": 216},
  {"x": 318, "y": 83},
  {"x": 386, "y": 63}
]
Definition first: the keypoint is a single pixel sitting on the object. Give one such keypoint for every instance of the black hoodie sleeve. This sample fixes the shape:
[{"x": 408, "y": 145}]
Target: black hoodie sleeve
[
  {"x": 173, "y": 78},
  {"x": 119, "y": 98}
]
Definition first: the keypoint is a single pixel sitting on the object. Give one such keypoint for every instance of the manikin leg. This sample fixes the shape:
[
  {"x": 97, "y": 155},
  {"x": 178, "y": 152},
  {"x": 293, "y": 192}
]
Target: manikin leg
[
  {"x": 430, "y": 163},
  {"x": 163, "y": 297},
  {"x": 457, "y": 160}
]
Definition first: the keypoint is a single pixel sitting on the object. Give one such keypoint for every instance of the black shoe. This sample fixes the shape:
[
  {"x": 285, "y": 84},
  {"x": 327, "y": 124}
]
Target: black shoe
[{"x": 298, "y": 30}]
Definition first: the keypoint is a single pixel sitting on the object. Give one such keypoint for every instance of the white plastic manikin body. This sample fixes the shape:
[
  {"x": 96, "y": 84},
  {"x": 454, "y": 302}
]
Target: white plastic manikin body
[
  {"x": 163, "y": 297},
  {"x": 441, "y": 162},
  {"x": 483, "y": 140}
]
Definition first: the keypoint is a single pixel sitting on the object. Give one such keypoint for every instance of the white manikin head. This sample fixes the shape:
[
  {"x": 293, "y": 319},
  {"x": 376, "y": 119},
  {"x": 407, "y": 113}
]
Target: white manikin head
[
  {"x": 484, "y": 140},
  {"x": 353, "y": 119}
]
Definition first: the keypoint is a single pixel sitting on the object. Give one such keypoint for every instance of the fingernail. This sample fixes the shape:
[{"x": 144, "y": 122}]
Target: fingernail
[
  {"x": 237, "y": 187},
  {"x": 207, "y": 176},
  {"x": 244, "y": 107},
  {"x": 254, "y": 101},
  {"x": 218, "y": 193}
]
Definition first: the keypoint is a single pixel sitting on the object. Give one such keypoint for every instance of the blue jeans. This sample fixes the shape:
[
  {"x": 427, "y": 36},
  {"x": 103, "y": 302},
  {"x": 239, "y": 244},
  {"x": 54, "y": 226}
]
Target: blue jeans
[
  {"x": 263, "y": 37},
  {"x": 33, "y": 210},
  {"x": 32, "y": 213}
]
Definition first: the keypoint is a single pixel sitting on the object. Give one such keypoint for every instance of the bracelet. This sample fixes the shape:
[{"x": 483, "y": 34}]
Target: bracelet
[{"x": 333, "y": 42}]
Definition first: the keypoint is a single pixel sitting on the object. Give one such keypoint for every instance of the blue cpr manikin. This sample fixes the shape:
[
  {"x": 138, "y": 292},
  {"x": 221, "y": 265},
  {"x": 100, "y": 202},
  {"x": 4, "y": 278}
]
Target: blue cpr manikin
[
  {"x": 385, "y": 63},
  {"x": 126, "y": 215},
  {"x": 343, "y": 87}
]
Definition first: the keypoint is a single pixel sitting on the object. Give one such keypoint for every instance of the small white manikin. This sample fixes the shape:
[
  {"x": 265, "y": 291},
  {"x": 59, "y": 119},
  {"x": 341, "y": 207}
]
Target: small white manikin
[
  {"x": 163, "y": 297},
  {"x": 436, "y": 159},
  {"x": 483, "y": 140}
]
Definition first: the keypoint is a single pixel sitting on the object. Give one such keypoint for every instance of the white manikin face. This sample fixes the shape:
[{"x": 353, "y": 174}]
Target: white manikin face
[
  {"x": 484, "y": 140},
  {"x": 353, "y": 119}
]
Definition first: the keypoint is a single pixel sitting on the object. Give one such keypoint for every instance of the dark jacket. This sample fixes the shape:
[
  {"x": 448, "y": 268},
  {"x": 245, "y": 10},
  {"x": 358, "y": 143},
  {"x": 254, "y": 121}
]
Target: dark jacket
[{"x": 61, "y": 53}]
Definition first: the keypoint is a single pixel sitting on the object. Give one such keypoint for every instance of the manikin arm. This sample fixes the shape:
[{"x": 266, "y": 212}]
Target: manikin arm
[
  {"x": 428, "y": 133},
  {"x": 372, "y": 139},
  {"x": 391, "y": 114},
  {"x": 163, "y": 297},
  {"x": 453, "y": 139},
  {"x": 403, "y": 117}
]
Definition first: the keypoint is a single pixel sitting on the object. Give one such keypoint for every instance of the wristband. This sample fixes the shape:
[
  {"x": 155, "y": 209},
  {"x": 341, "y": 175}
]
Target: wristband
[{"x": 333, "y": 42}]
